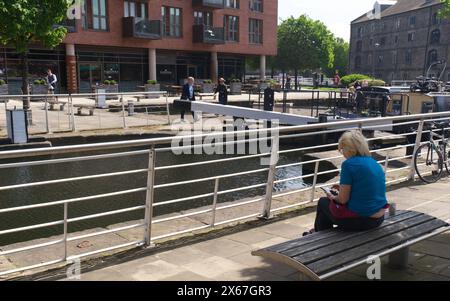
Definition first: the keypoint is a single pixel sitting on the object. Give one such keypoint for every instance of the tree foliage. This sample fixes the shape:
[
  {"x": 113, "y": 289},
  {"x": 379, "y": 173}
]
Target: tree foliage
[
  {"x": 341, "y": 55},
  {"x": 304, "y": 43},
  {"x": 27, "y": 22}
]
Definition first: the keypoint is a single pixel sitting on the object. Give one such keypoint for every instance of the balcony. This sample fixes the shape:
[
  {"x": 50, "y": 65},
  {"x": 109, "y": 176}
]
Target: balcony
[
  {"x": 134, "y": 27},
  {"x": 214, "y": 4},
  {"x": 70, "y": 25},
  {"x": 208, "y": 34}
]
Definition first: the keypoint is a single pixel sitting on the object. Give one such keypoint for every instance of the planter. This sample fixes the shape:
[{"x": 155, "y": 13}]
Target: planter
[
  {"x": 152, "y": 88},
  {"x": 38, "y": 90},
  {"x": 208, "y": 88},
  {"x": 236, "y": 88},
  {"x": 108, "y": 89},
  {"x": 4, "y": 89}
]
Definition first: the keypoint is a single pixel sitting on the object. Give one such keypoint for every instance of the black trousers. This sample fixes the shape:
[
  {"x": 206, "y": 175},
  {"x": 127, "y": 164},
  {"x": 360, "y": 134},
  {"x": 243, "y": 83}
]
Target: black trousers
[
  {"x": 325, "y": 220},
  {"x": 184, "y": 112}
]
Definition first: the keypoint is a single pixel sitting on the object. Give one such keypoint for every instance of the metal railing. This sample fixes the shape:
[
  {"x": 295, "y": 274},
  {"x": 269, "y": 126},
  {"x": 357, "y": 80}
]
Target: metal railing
[
  {"x": 60, "y": 110},
  {"x": 152, "y": 148}
]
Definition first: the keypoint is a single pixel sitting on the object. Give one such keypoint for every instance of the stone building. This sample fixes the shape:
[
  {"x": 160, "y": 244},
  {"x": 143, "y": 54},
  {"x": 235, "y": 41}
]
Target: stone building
[{"x": 400, "y": 40}]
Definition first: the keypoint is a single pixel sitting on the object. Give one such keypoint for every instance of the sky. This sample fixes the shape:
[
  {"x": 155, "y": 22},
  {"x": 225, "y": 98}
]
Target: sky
[{"x": 336, "y": 14}]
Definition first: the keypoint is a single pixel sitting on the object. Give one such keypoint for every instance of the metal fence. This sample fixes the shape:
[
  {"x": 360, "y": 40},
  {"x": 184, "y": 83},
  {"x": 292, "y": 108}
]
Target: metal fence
[
  {"x": 63, "y": 112},
  {"x": 259, "y": 206}
]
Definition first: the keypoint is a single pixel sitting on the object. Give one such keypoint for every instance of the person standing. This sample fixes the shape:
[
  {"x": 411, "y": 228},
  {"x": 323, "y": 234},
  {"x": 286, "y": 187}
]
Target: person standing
[
  {"x": 337, "y": 79},
  {"x": 51, "y": 81},
  {"x": 188, "y": 94},
  {"x": 223, "y": 92}
]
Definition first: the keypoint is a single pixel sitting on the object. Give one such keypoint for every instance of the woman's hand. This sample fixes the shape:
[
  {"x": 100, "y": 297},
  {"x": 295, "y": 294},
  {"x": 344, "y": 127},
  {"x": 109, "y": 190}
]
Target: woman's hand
[
  {"x": 332, "y": 197},
  {"x": 336, "y": 187}
]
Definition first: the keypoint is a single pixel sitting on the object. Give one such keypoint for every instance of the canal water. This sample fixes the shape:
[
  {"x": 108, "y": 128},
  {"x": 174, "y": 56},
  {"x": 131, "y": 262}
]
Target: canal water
[{"x": 70, "y": 190}]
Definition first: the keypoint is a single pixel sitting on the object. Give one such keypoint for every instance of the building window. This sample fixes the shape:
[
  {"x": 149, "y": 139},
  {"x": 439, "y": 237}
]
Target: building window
[
  {"x": 231, "y": 24},
  {"x": 369, "y": 59},
  {"x": 232, "y": 3},
  {"x": 412, "y": 20},
  {"x": 360, "y": 32},
  {"x": 436, "y": 19},
  {"x": 203, "y": 18},
  {"x": 380, "y": 60},
  {"x": 135, "y": 9},
  {"x": 372, "y": 27},
  {"x": 411, "y": 36},
  {"x": 359, "y": 46},
  {"x": 171, "y": 21},
  {"x": 395, "y": 39},
  {"x": 383, "y": 41},
  {"x": 398, "y": 24},
  {"x": 256, "y": 5},
  {"x": 394, "y": 58},
  {"x": 94, "y": 15},
  {"x": 357, "y": 62},
  {"x": 435, "y": 36},
  {"x": 408, "y": 57},
  {"x": 255, "y": 31},
  {"x": 432, "y": 56}
]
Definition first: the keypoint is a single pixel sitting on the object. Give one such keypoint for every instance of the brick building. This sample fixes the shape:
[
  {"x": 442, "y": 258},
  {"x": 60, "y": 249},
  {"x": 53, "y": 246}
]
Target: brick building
[
  {"x": 403, "y": 43},
  {"x": 131, "y": 41}
]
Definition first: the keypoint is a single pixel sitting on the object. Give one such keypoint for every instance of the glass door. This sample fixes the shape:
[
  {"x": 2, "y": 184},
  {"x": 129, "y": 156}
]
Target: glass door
[{"x": 90, "y": 75}]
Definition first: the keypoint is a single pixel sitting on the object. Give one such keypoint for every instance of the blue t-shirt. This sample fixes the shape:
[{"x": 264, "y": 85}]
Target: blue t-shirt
[{"x": 368, "y": 181}]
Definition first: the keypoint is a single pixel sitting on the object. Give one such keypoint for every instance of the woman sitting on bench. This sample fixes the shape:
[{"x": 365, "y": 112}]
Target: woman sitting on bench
[{"x": 360, "y": 200}]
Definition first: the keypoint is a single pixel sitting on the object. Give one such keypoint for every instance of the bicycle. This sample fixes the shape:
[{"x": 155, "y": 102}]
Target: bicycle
[{"x": 435, "y": 154}]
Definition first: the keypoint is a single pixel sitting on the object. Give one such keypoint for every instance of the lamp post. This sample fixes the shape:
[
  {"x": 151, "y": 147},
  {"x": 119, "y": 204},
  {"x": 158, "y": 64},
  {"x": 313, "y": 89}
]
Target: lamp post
[{"x": 373, "y": 59}]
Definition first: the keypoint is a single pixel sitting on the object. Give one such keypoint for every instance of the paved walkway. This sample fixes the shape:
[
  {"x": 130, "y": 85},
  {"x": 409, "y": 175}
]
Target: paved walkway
[{"x": 228, "y": 257}]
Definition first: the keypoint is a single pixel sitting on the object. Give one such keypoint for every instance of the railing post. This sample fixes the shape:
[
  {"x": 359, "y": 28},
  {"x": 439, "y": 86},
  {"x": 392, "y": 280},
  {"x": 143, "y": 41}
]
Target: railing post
[
  {"x": 214, "y": 209},
  {"x": 412, "y": 172},
  {"x": 66, "y": 234},
  {"x": 72, "y": 113},
  {"x": 168, "y": 108},
  {"x": 47, "y": 126},
  {"x": 150, "y": 197},
  {"x": 386, "y": 163},
  {"x": 313, "y": 188},
  {"x": 123, "y": 112},
  {"x": 271, "y": 177}
]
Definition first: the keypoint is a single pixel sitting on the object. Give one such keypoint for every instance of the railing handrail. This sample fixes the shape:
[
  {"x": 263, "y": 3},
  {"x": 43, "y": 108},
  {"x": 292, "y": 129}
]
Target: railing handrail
[
  {"x": 76, "y": 95},
  {"x": 169, "y": 139}
]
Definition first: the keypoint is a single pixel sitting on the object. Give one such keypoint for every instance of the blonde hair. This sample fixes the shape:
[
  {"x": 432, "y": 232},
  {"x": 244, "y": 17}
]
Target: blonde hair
[{"x": 355, "y": 144}]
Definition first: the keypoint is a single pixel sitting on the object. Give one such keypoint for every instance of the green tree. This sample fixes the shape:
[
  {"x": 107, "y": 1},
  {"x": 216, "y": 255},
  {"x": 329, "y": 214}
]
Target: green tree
[
  {"x": 341, "y": 53},
  {"x": 304, "y": 43},
  {"x": 27, "y": 22}
]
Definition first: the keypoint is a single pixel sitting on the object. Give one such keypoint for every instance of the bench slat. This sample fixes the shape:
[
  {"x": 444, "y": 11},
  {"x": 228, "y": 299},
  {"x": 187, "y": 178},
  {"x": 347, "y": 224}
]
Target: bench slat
[
  {"x": 332, "y": 235},
  {"x": 361, "y": 252},
  {"x": 307, "y": 257}
]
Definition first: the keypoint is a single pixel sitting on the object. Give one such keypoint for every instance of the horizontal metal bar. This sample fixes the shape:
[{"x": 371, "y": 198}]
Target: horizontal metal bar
[
  {"x": 179, "y": 232},
  {"x": 38, "y": 226},
  {"x": 108, "y": 213},
  {"x": 122, "y": 173},
  {"x": 180, "y": 216},
  {"x": 115, "y": 230},
  {"x": 210, "y": 162},
  {"x": 183, "y": 199},
  {"x": 289, "y": 206},
  {"x": 137, "y": 243},
  {"x": 241, "y": 188},
  {"x": 211, "y": 178},
  {"x": 240, "y": 204},
  {"x": 33, "y": 247},
  {"x": 83, "y": 95},
  {"x": 31, "y": 267},
  {"x": 75, "y": 159},
  {"x": 307, "y": 148},
  {"x": 69, "y": 201}
]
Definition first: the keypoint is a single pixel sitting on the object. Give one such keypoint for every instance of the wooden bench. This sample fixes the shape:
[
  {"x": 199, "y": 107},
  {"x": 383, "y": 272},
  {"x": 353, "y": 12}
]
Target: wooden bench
[
  {"x": 324, "y": 254},
  {"x": 81, "y": 107}
]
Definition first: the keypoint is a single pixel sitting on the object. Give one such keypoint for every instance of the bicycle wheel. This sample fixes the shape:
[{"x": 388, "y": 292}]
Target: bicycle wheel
[{"x": 428, "y": 162}]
